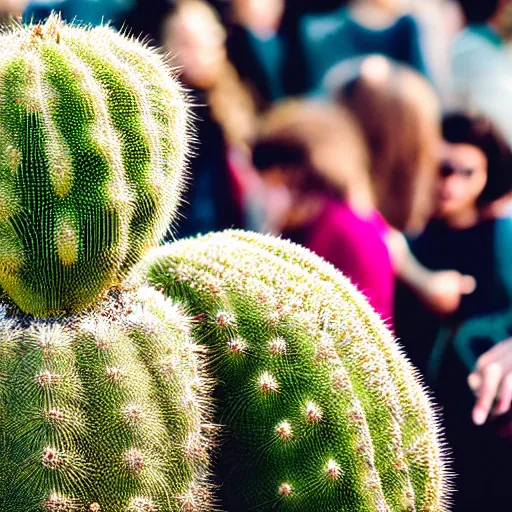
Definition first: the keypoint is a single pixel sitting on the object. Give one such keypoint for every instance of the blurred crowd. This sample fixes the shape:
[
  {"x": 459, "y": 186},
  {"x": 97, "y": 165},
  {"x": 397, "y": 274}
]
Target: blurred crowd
[{"x": 378, "y": 134}]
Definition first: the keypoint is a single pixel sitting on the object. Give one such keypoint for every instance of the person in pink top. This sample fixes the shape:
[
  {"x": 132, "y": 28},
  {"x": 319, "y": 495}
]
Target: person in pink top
[{"x": 314, "y": 167}]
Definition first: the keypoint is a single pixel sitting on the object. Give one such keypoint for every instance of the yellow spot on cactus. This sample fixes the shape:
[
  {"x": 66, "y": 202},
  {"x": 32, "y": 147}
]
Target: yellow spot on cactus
[
  {"x": 94, "y": 507},
  {"x": 14, "y": 158},
  {"x": 62, "y": 176},
  {"x": 67, "y": 243},
  {"x": 10, "y": 262}
]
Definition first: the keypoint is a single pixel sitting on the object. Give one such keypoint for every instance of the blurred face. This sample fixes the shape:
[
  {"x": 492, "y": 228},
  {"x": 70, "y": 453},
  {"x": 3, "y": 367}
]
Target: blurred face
[
  {"x": 196, "y": 41},
  {"x": 260, "y": 15},
  {"x": 462, "y": 178},
  {"x": 390, "y": 5}
]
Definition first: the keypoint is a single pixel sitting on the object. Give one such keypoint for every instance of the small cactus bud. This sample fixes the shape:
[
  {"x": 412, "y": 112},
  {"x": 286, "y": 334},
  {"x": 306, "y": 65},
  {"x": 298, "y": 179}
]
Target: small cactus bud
[
  {"x": 140, "y": 504},
  {"x": 225, "y": 319},
  {"x": 277, "y": 346},
  {"x": 133, "y": 414},
  {"x": 284, "y": 430},
  {"x": 114, "y": 374},
  {"x": 237, "y": 345},
  {"x": 94, "y": 507},
  {"x": 333, "y": 469},
  {"x": 57, "y": 503},
  {"x": 267, "y": 382},
  {"x": 285, "y": 489},
  {"x": 51, "y": 458},
  {"x": 54, "y": 415},
  {"x": 47, "y": 379},
  {"x": 134, "y": 460},
  {"x": 313, "y": 413}
]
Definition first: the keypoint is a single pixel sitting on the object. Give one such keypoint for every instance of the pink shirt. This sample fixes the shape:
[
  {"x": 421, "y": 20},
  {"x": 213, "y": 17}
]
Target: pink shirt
[{"x": 357, "y": 247}]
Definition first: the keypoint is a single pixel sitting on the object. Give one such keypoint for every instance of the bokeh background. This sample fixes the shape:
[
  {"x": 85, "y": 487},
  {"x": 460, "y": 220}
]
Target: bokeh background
[{"x": 378, "y": 134}]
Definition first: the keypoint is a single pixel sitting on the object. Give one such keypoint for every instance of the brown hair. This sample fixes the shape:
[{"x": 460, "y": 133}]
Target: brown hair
[
  {"x": 400, "y": 115},
  {"x": 230, "y": 101},
  {"x": 321, "y": 144}
]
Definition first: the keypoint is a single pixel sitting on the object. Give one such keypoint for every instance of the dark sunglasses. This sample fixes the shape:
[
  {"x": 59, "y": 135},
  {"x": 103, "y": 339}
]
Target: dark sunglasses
[{"x": 447, "y": 169}]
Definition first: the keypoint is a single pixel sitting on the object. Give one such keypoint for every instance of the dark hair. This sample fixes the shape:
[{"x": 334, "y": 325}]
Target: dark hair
[
  {"x": 287, "y": 153},
  {"x": 479, "y": 11},
  {"x": 480, "y": 132}
]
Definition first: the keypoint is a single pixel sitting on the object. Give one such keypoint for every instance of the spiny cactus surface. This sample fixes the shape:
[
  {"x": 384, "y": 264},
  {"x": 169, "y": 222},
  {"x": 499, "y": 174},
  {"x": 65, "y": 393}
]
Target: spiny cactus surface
[
  {"x": 106, "y": 411},
  {"x": 92, "y": 146},
  {"x": 322, "y": 409}
]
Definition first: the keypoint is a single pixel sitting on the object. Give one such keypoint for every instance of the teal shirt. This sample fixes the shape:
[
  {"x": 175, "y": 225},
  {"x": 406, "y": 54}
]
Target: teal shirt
[{"x": 332, "y": 38}]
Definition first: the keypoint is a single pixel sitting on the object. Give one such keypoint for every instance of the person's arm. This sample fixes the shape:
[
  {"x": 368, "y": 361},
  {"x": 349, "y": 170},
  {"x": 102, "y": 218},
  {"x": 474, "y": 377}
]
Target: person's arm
[{"x": 440, "y": 290}]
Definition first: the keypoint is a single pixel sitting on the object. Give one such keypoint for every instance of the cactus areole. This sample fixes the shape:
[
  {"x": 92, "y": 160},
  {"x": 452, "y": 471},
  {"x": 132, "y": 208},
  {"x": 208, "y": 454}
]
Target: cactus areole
[{"x": 92, "y": 147}]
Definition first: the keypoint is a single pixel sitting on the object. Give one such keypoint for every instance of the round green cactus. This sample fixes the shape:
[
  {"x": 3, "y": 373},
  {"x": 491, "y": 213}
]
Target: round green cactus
[
  {"x": 322, "y": 409},
  {"x": 106, "y": 411},
  {"x": 93, "y": 138}
]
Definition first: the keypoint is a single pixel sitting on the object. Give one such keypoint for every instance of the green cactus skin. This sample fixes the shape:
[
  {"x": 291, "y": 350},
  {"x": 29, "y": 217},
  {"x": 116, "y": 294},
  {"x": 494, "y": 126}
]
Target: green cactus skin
[
  {"x": 93, "y": 140},
  {"x": 107, "y": 411},
  {"x": 323, "y": 410}
]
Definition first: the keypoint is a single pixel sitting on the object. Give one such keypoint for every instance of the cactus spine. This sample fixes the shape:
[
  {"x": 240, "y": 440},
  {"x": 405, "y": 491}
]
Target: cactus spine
[
  {"x": 92, "y": 146},
  {"x": 323, "y": 410}
]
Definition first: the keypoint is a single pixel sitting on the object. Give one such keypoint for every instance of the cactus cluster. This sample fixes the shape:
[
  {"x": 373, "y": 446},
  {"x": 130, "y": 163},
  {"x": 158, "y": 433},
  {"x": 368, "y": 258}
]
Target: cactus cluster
[
  {"x": 120, "y": 364},
  {"x": 323, "y": 411}
]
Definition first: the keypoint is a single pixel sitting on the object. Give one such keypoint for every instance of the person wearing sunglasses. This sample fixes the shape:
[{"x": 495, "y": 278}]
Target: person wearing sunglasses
[{"x": 471, "y": 345}]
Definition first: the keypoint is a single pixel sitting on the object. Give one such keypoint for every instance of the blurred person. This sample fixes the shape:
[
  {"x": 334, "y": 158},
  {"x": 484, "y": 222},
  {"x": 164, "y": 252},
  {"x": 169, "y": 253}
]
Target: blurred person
[
  {"x": 440, "y": 21},
  {"x": 318, "y": 167},
  {"x": 11, "y": 11},
  {"x": 195, "y": 38},
  {"x": 482, "y": 64},
  {"x": 399, "y": 113},
  {"x": 264, "y": 48},
  {"x": 474, "y": 172},
  {"x": 315, "y": 156},
  {"x": 360, "y": 28}
]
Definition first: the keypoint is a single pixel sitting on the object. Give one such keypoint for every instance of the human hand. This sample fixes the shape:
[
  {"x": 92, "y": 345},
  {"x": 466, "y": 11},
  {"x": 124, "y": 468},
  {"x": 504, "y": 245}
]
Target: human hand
[
  {"x": 443, "y": 290},
  {"x": 492, "y": 382}
]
